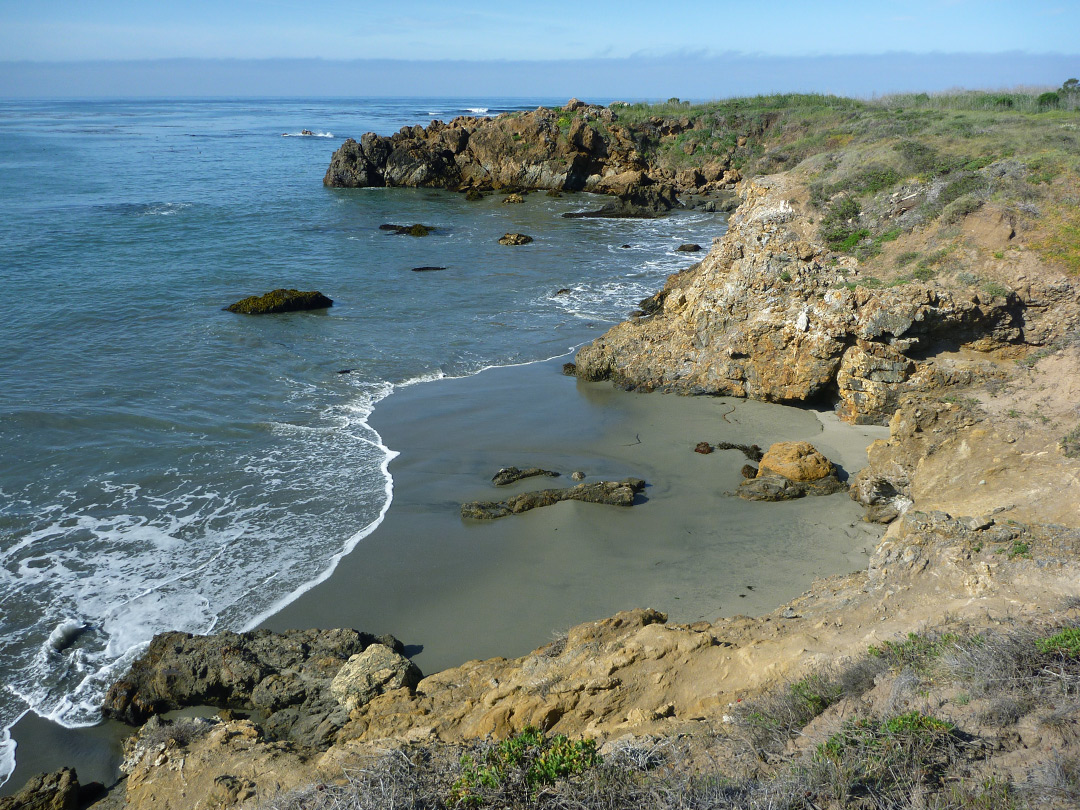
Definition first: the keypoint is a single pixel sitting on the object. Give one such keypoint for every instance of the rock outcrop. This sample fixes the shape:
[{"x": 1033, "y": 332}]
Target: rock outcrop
[
  {"x": 508, "y": 475},
  {"x": 789, "y": 470},
  {"x": 286, "y": 676},
  {"x": 280, "y": 300},
  {"x": 580, "y": 147},
  {"x": 515, "y": 239},
  {"x": 768, "y": 315},
  {"x": 53, "y": 791},
  {"x": 375, "y": 671},
  {"x": 613, "y": 493}
]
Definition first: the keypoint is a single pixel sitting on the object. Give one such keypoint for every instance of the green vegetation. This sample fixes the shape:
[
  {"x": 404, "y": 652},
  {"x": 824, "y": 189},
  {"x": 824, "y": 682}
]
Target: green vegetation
[
  {"x": 914, "y": 651},
  {"x": 903, "y": 162},
  {"x": 1070, "y": 442},
  {"x": 517, "y": 767},
  {"x": 1066, "y": 643}
]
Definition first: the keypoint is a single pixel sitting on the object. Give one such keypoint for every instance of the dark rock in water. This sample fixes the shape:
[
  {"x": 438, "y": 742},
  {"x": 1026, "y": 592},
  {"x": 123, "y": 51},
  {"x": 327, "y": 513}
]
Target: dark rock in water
[
  {"x": 408, "y": 230},
  {"x": 472, "y": 195},
  {"x": 615, "y": 493},
  {"x": 577, "y": 475},
  {"x": 306, "y": 132},
  {"x": 513, "y": 198},
  {"x": 748, "y": 471},
  {"x": 569, "y": 369},
  {"x": 563, "y": 291},
  {"x": 625, "y": 246},
  {"x": 553, "y": 192},
  {"x": 515, "y": 239},
  {"x": 346, "y": 371},
  {"x": 281, "y": 300},
  {"x": 771, "y": 487},
  {"x": 508, "y": 475},
  {"x": 703, "y": 447},
  {"x": 59, "y": 790},
  {"x": 643, "y": 202},
  {"x": 751, "y": 451},
  {"x": 689, "y": 247},
  {"x": 286, "y": 676},
  {"x": 427, "y": 269}
]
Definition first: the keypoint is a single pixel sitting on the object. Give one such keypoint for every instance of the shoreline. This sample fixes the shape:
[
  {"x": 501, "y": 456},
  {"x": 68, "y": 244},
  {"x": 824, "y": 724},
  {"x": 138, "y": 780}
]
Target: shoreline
[
  {"x": 454, "y": 590},
  {"x": 427, "y": 574}
]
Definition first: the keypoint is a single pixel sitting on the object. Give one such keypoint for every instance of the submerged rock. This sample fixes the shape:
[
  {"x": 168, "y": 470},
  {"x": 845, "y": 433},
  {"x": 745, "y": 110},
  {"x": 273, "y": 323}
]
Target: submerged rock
[
  {"x": 508, "y": 475},
  {"x": 427, "y": 269},
  {"x": 689, "y": 247},
  {"x": 280, "y": 300},
  {"x": 614, "y": 493},
  {"x": 515, "y": 239}
]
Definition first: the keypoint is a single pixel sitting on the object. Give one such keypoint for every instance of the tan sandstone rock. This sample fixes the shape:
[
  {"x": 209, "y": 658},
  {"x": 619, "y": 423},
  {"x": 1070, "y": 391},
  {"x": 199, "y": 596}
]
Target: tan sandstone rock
[
  {"x": 376, "y": 670},
  {"x": 799, "y": 461}
]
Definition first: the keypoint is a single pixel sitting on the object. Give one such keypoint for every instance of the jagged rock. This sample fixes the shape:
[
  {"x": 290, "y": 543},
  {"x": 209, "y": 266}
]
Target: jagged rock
[
  {"x": 508, "y": 475},
  {"x": 376, "y": 670},
  {"x": 751, "y": 451},
  {"x": 754, "y": 319},
  {"x": 703, "y": 447},
  {"x": 772, "y": 487},
  {"x": 643, "y": 202},
  {"x": 285, "y": 675},
  {"x": 615, "y": 493},
  {"x": 280, "y": 300},
  {"x": 59, "y": 790},
  {"x": 797, "y": 461},
  {"x": 513, "y": 198},
  {"x": 515, "y": 239}
]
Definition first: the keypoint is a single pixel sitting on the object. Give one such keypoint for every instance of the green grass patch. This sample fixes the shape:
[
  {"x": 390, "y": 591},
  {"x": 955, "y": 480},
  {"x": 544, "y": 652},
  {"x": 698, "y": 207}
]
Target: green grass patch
[
  {"x": 1066, "y": 643},
  {"x": 915, "y": 651},
  {"x": 516, "y": 768}
]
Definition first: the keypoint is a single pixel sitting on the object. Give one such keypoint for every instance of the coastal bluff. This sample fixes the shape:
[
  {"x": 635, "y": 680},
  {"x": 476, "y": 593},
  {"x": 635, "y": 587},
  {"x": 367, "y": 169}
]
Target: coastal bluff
[{"x": 959, "y": 333}]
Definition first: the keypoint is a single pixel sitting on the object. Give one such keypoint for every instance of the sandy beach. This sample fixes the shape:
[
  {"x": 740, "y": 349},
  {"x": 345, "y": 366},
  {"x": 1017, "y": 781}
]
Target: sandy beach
[{"x": 454, "y": 590}]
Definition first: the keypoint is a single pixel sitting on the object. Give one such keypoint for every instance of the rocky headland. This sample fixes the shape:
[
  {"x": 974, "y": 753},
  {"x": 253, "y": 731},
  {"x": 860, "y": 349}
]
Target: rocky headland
[{"x": 880, "y": 269}]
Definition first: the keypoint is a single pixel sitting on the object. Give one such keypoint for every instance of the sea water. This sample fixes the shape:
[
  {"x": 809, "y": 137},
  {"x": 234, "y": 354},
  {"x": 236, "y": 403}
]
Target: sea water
[{"x": 167, "y": 465}]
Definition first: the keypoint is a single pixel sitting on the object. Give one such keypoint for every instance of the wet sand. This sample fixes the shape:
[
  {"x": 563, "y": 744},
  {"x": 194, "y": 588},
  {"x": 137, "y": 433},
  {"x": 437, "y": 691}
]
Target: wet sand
[{"x": 453, "y": 590}]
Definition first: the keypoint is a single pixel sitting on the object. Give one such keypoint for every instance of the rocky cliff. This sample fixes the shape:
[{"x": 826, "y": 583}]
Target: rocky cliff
[
  {"x": 772, "y": 314},
  {"x": 579, "y": 147}
]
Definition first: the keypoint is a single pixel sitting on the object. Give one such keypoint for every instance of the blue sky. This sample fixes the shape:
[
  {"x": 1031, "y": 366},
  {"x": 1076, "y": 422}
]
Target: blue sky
[
  {"x": 554, "y": 29},
  {"x": 42, "y": 44}
]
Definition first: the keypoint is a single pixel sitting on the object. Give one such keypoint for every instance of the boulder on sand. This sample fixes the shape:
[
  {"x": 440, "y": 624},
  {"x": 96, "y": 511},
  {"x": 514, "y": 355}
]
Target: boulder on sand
[{"x": 790, "y": 470}]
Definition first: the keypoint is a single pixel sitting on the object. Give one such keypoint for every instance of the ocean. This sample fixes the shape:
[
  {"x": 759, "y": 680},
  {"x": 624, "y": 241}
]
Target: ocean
[{"x": 167, "y": 465}]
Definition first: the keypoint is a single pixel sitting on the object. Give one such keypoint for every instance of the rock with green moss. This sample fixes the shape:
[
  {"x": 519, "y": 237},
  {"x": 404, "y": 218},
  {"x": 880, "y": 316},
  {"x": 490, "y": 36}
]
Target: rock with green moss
[{"x": 281, "y": 300}]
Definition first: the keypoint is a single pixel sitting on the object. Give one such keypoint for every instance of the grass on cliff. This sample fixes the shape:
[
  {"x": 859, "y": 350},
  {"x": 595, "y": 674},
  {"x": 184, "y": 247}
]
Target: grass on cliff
[
  {"x": 884, "y": 167},
  {"x": 939, "y": 719}
]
